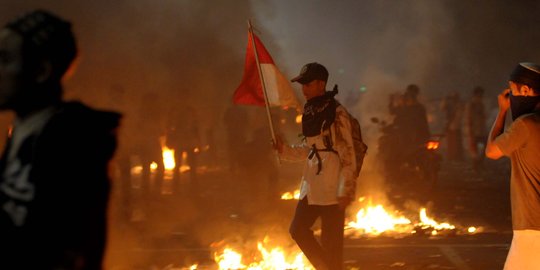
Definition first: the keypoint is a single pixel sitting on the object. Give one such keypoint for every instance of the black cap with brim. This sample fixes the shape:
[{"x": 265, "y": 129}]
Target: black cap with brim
[
  {"x": 310, "y": 72},
  {"x": 527, "y": 74}
]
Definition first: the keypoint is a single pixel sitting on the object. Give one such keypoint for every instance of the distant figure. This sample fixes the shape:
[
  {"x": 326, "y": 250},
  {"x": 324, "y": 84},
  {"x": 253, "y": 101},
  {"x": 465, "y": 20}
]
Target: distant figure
[
  {"x": 261, "y": 162},
  {"x": 183, "y": 135},
  {"x": 410, "y": 120},
  {"x": 475, "y": 126},
  {"x": 146, "y": 145},
  {"x": 520, "y": 142},
  {"x": 54, "y": 182},
  {"x": 453, "y": 110},
  {"x": 236, "y": 130}
]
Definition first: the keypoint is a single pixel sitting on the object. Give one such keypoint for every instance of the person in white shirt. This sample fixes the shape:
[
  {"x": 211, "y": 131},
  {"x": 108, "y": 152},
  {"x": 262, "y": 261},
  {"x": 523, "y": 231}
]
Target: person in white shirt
[{"x": 329, "y": 182}]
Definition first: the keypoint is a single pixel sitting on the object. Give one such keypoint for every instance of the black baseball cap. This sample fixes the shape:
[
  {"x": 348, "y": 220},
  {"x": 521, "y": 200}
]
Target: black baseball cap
[{"x": 310, "y": 72}]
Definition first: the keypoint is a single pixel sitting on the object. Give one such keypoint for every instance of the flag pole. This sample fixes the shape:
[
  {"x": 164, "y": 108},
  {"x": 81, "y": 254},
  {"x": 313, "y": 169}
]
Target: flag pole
[{"x": 262, "y": 83}]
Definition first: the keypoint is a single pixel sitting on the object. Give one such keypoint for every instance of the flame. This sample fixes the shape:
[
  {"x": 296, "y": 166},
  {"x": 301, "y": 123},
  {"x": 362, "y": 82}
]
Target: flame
[
  {"x": 136, "y": 170},
  {"x": 229, "y": 259},
  {"x": 375, "y": 220},
  {"x": 274, "y": 259},
  {"x": 193, "y": 267},
  {"x": 295, "y": 195},
  {"x": 168, "y": 158},
  {"x": 432, "y": 145},
  {"x": 299, "y": 119},
  {"x": 426, "y": 222},
  {"x": 184, "y": 167},
  {"x": 153, "y": 167},
  {"x": 169, "y": 165}
]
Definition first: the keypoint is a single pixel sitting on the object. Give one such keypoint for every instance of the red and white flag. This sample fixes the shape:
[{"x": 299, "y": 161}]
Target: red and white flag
[{"x": 278, "y": 88}]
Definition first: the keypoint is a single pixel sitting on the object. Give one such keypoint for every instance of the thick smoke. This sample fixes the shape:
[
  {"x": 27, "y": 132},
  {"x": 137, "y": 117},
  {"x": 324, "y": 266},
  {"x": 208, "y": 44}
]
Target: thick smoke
[
  {"x": 382, "y": 46},
  {"x": 180, "y": 60},
  {"x": 442, "y": 46}
]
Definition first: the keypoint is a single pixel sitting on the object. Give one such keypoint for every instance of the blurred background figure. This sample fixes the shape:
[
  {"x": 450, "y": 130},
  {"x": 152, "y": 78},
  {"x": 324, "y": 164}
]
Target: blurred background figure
[
  {"x": 475, "y": 128},
  {"x": 453, "y": 111},
  {"x": 236, "y": 131},
  {"x": 410, "y": 120},
  {"x": 184, "y": 136}
]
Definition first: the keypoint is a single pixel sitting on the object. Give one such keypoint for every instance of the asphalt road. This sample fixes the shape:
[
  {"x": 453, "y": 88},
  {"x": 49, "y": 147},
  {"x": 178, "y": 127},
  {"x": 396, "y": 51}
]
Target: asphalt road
[{"x": 176, "y": 230}]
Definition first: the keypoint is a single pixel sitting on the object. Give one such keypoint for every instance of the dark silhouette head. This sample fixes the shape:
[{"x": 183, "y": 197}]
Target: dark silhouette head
[
  {"x": 36, "y": 50},
  {"x": 45, "y": 37}
]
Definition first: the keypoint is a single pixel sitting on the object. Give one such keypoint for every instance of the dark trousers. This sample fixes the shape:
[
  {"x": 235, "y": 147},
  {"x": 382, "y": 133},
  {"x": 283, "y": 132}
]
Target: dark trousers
[{"x": 328, "y": 254}]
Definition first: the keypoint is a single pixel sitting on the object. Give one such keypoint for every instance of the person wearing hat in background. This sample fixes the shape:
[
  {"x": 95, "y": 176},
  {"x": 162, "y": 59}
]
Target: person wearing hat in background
[
  {"x": 521, "y": 142},
  {"x": 328, "y": 185},
  {"x": 54, "y": 183}
]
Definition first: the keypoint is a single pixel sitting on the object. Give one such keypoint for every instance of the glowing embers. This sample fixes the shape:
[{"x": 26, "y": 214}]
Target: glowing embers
[
  {"x": 295, "y": 195},
  {"x": 184, "y": 166},
  {"x": 266, "y": 258},
  {"x": 298, "y": 119}
]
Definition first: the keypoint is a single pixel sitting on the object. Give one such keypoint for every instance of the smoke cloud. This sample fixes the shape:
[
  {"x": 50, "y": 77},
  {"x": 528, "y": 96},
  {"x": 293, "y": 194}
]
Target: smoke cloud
[{"x": 167, "y": 61}]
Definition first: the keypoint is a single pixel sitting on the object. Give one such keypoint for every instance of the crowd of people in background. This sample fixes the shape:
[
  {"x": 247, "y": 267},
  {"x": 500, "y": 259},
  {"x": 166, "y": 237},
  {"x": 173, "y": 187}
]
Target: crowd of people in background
[{"x": 462, "y": 125}]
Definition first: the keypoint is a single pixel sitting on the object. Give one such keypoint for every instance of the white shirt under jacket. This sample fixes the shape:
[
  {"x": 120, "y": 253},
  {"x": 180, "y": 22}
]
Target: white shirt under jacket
[{"x": 336, "y": 176}]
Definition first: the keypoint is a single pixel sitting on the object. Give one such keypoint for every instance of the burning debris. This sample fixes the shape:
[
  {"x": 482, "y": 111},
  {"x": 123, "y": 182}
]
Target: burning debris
[
  {"x": 375, "y": 220},
  {"x": 275, "y": 258}
]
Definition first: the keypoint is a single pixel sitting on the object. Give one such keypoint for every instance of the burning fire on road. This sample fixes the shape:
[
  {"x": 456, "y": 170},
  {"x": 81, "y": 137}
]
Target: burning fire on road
[
  {"x": 272, "y": 258},
  {"x": 374, "y": 219}
]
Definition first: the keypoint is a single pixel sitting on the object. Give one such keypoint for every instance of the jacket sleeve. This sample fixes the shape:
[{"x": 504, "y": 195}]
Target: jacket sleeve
[
  {"x": 345, "y": 148},
  {"x": 293, "y": 153}
]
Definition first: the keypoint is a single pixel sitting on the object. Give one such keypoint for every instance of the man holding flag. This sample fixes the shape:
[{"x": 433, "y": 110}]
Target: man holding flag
[{"x": 329, "y": 180}]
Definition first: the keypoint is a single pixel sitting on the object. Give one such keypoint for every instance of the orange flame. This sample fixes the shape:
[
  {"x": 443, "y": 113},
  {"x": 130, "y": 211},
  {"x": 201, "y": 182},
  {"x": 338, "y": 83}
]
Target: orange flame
[
  {"x": 295, "y": 195},
  {"x": 184, "y": 167},
  {"x": 375, "y": 220},
  {"x": 432, "y": 145},
  {"x": 426, "y": 222},
  {"x": 168, "y": 158},
  {"x": 299, "y": 119},
  {"x": 274, "y": 258}
]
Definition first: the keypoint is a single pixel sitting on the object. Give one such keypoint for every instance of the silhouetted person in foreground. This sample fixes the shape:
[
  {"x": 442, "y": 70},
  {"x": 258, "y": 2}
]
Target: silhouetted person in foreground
[
  {"x": 54, "y": 185},
  {"x": 520, "y": 142}
]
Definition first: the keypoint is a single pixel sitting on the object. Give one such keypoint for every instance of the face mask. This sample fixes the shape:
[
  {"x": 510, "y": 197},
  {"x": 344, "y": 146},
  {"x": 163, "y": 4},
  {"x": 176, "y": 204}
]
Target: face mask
[{"x": 521, "y": 105}]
